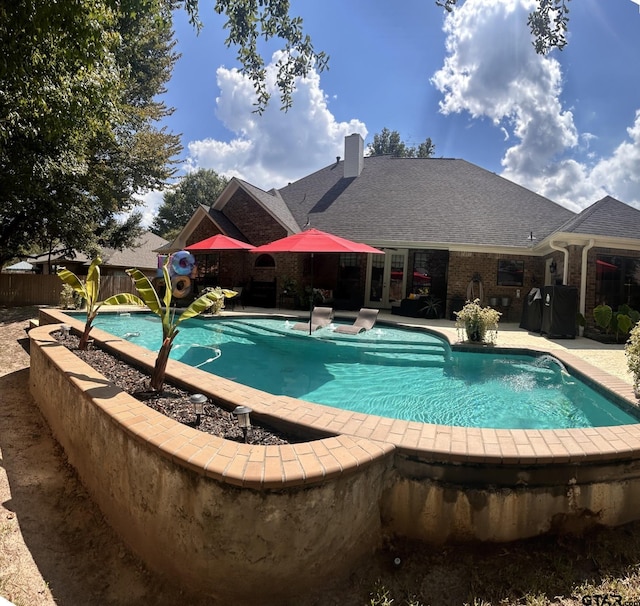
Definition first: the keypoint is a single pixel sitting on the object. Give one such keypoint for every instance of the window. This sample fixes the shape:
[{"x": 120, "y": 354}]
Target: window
[
  {"x": 510, "y": 273},
  {"x": 265, "y": 261},
  {"x": 618, "y": 281}
]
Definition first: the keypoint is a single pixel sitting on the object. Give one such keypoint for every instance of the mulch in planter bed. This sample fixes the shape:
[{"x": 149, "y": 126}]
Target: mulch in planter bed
[{"x": 172, "y": 401}]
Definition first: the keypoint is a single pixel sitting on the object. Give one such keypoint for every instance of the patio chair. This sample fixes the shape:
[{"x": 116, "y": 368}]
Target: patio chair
[
  {"x": 322, "y": 316},
  {"x": 237, "y": 299},
  {"x": 365, "y": 321}
]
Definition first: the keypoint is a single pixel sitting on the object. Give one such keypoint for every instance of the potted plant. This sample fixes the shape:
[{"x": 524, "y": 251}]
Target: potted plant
[{"x": 480, "y": 324}]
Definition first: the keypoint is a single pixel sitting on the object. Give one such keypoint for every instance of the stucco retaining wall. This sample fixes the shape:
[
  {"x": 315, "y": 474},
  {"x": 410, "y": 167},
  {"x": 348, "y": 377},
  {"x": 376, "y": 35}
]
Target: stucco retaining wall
[{"x": 209, "y": 533}]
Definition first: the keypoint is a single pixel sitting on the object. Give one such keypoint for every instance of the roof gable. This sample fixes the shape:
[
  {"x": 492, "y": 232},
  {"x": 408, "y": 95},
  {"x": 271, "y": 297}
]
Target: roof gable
[
  {"x": 607, "y": 217},
  {"x": 271, "y": 201}
]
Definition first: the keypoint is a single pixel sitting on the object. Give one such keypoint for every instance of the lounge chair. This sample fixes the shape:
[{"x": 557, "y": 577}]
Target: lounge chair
[
  {"x": 365, "y": 321},
  {"x": 320, "y": 316}
]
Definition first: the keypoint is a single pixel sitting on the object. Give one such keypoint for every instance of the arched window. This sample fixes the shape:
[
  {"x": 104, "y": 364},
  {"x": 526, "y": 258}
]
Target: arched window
[{"x": 265, "y": 261}]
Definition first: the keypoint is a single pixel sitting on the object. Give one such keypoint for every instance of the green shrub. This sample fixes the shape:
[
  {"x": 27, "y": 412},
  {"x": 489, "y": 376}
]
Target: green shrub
[
  {"x": 603, "y": 314},
  {"x": 68, "y": 298}
]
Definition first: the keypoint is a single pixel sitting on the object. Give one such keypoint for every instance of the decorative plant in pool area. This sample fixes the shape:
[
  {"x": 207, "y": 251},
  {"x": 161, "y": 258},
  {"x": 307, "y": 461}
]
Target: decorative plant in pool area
[
  {"x": 618, "y": 322},
  {"x": 632, "y": 351},
  {"x": 89, "y": 290},
  {"x": 480, "y": 324},
  {"x": 162, "y": 308}
]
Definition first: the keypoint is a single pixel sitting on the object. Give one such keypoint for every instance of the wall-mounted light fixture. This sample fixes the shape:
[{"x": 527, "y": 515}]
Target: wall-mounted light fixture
[
  {"x": 242, "y": 413},
  {"x": 553, "y": 266},
  {"x": 198, "y": 400}
]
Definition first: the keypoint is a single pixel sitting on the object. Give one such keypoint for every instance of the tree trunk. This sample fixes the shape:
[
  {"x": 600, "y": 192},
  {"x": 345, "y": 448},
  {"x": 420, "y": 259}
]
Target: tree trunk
[
  {"x": 84, "y": 339},
  {"x": 159, "y": 370}
]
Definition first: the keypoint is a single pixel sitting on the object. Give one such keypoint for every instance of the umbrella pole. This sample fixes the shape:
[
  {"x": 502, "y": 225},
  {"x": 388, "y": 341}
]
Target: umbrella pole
[{"x": 311, "y": 298}]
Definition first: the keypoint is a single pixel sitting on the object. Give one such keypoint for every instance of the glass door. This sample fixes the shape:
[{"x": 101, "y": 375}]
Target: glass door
[{"x": 386, "y": 278}]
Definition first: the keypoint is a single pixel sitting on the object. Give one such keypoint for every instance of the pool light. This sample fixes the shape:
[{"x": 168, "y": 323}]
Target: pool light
[
  {"x": 242, "y": 414},
  {"x": 198, "y": 400}
]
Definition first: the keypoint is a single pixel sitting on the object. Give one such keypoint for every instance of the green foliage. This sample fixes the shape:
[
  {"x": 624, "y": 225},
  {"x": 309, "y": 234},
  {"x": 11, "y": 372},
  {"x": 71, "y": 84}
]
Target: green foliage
[
  {"x": 77, "y": 120},
  {"x": 68, "y": 297},
  {"x": 199, "y": 187},
  {"x": 89, "y": 291},
  {"x": 162, "y": 308},
  {"x": 618, "y": 322},
  {"x": 247, "y": 22},
  {"x": 603, "y": 314},
  {"x": 632, "y": 351},
  {"x": 480, "y": 324},
  {"x": 389, "y": 143},
  {"x": 548, "y": 23},
  {"x": 623, "y": 324}
]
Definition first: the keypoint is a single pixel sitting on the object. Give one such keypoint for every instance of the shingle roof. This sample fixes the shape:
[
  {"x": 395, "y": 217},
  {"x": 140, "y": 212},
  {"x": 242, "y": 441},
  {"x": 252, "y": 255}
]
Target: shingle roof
[
  {"x": 274, "y": 202},
  {"x": 141, "y": 255},
  {"x": 607, "y": 217},
  {"x": 422, "y": 200}
]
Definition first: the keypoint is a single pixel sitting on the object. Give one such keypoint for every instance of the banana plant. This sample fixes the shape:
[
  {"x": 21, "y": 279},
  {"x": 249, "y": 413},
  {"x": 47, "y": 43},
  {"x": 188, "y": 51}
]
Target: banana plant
[
  {"x": 162, "y": 308},
  {"x": 89, "y": 290}
]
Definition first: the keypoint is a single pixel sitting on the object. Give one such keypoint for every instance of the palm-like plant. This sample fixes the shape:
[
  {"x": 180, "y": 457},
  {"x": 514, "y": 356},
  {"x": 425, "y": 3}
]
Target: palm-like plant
[
  {"x": 162, "y": 308},
  {"x": 89, "y": 290}
]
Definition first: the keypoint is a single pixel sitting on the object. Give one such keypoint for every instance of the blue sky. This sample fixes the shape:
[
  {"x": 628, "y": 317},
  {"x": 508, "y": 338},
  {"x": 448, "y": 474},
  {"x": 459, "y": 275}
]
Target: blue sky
[{"x": 566, "y": 126}]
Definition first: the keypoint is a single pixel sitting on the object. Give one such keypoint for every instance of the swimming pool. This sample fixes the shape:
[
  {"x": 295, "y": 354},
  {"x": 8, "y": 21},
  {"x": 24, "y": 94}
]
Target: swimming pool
[{"x": 388, "y": 371}]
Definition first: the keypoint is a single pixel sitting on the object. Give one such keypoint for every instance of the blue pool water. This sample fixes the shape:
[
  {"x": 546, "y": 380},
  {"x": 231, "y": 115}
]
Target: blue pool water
[{"x": 387, "y": 371}]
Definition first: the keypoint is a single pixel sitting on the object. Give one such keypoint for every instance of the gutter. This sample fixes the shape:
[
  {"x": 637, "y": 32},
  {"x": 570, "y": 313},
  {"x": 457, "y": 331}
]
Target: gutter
[
  {"x": 583, "y": 276},
  {"x": 565, "y": 265}
]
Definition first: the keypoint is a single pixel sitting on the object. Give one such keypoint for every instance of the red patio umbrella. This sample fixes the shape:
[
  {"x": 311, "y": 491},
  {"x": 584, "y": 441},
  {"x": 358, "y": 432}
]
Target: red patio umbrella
[
  {"x": 219, "y": 242},
  {"x": 315, "y": 241}
]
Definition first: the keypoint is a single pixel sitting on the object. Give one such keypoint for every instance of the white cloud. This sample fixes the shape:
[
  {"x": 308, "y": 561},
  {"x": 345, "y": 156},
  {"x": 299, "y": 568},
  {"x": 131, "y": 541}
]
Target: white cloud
[
  {"x": 492, "y": 71},
  {"x": 150, "y": 203},
  {"x": 271, "y": 149},
  {"x": 276, "y": 147}
]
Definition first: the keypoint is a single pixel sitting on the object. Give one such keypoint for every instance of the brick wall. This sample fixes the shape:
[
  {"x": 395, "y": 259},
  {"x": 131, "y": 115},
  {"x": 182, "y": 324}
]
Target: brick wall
[
  {"x": 464, "y": 265},
  {"x": 255, "y": 222}
]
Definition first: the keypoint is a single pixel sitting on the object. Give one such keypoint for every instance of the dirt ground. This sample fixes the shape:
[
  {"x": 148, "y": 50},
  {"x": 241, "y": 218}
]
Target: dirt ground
[{"x": 55, "y": 547}]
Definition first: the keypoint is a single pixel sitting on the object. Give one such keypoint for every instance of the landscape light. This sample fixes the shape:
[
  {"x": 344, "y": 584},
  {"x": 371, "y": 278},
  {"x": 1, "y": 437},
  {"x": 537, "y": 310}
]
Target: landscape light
[
  {"x": 242, "y": 414},
  {"x": 198, "y": 400}
]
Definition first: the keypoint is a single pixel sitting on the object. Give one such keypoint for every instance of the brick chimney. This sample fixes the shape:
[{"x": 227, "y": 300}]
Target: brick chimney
[{"x": 353, "y": 155}]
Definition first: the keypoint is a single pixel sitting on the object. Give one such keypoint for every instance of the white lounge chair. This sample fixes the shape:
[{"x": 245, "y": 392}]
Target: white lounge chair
[
  {"x": 365, "y": 321},
  {"x": 320, "y": 317}
]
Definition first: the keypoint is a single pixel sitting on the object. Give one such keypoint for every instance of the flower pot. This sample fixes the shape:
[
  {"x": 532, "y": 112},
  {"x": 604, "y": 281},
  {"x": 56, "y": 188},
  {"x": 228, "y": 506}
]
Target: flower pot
[
  {"x": 493, "y": 301},
  {"x": 506, "y": 301}
]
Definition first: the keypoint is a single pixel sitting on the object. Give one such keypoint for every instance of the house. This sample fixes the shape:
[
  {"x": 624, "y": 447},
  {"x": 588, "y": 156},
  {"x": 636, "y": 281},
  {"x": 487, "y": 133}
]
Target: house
[
  {"x": 114, "y": 262},
  {"x": 450, "y": 230}
]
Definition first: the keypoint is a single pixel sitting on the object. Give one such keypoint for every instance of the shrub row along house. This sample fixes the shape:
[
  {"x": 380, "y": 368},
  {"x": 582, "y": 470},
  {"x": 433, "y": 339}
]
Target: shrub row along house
[{"x": 450, "y": 230}]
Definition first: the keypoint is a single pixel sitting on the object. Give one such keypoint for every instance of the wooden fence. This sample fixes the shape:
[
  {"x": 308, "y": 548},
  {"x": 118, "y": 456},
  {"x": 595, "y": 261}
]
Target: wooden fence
[{"x": 18, "y": 290}]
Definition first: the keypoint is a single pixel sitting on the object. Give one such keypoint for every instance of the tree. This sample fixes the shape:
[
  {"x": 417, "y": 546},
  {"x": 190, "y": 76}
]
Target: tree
[
  {"x": 199, "y": 187},
  {"x": 79, "y": 83},
  {"x": 389, "y": 143},
  {"x": 77, "y": 114},
  {"x": 170, "y": 324},
  {"x": 89, "y": 290}
]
